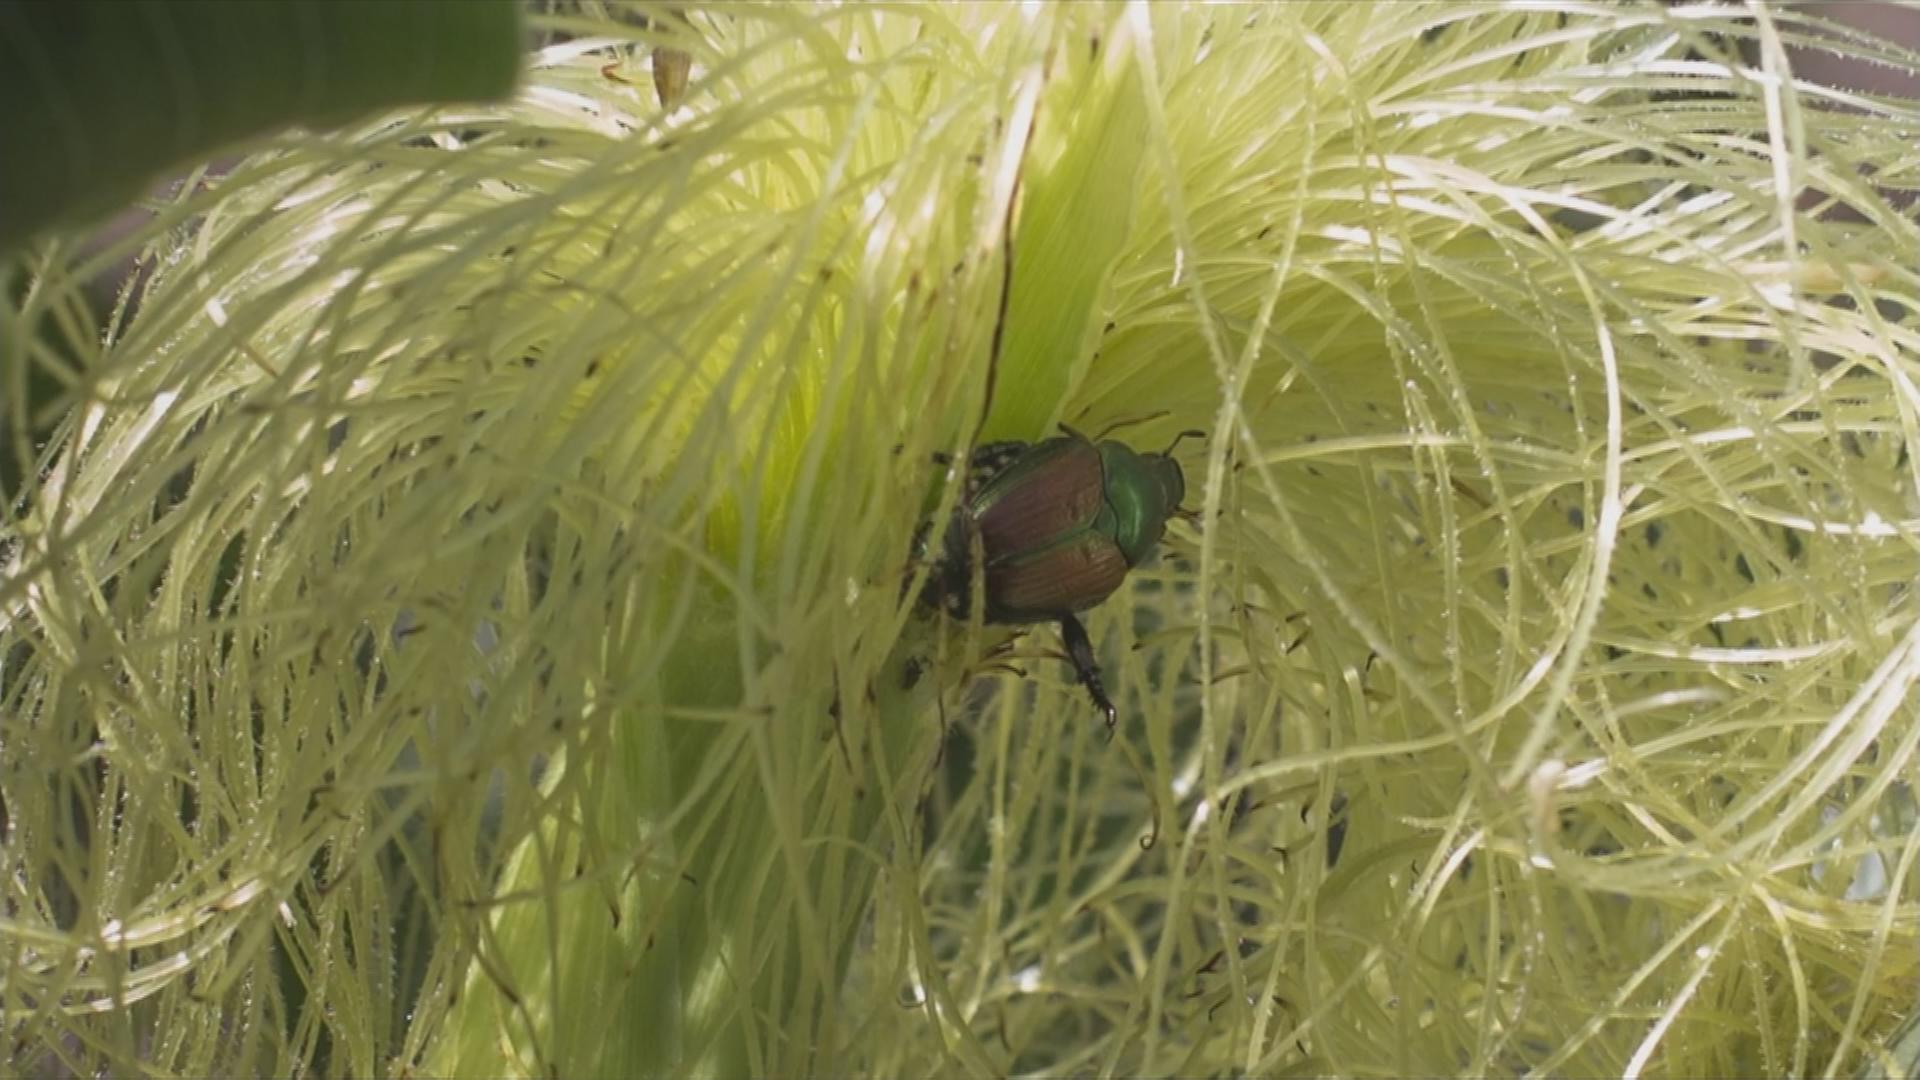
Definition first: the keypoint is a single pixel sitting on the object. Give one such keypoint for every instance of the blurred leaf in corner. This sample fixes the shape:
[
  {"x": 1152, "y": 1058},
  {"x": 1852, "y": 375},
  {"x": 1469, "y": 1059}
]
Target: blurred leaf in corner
[{"x": 103, "y": 96}]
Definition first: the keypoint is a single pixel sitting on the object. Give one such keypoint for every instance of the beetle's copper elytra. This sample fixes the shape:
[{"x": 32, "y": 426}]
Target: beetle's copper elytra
[{"x": 1058, "y": 524}]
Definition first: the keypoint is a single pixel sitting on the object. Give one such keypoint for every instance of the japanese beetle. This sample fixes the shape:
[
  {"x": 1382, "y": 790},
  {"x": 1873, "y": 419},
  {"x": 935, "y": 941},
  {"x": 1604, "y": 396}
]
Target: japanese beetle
[{"x": 1057, "y": 525}]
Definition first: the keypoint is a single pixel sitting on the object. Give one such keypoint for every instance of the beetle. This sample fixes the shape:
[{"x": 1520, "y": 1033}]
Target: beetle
[{"x": 1057, "y": 525}]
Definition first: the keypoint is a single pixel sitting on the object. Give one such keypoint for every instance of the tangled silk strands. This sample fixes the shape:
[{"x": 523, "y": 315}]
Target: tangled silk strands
[{"x": 460, "y": 628}]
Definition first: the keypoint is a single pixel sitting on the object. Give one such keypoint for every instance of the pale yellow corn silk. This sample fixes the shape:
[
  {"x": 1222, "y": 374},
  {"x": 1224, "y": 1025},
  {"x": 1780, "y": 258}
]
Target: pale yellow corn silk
[{"x": 463, "y": 627}]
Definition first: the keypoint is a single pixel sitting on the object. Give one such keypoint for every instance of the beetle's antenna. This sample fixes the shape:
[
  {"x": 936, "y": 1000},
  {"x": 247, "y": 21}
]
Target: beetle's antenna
[
  {"x": 1190, "y": 433},
  {"x": 1074, "y": 433},
  {"x": 1129, "y": 421}
]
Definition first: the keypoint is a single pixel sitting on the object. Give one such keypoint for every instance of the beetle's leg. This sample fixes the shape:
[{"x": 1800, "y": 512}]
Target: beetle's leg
[
  {"x": 1080, "y": 654},
  {"x": 1125, "y": 421},
  {"x": 1190, "y": 433}
]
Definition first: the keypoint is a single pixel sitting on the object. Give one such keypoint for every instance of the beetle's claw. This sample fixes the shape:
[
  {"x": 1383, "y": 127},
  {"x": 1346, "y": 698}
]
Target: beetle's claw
[
  {"x": 1091, "y": 679},
  {"x": 1080, "y": 654}
]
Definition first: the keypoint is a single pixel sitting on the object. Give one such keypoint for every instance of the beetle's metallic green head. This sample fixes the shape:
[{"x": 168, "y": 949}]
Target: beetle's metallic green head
[
  {"x": 1173, "y": 482},
  {"x": 1144, "y": 490}
]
